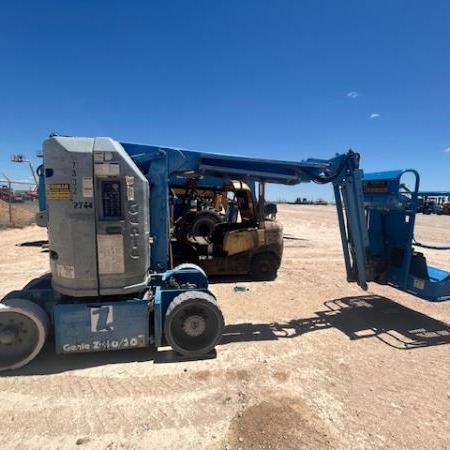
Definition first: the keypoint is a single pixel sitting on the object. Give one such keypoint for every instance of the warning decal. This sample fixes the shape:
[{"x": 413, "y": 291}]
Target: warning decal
[
  {"x": 110, "y": 254},
  {"x": 58, "y": 191},
  {"x": 88, "y": 187},
  {"x": 65, "y": 271}
]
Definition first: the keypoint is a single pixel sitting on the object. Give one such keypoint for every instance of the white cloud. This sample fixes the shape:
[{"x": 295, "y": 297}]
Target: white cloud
[
  {"x": 447, "y": 150},
  {"x": 374, "y": 116},
  {"x": 352, "y": 94}
]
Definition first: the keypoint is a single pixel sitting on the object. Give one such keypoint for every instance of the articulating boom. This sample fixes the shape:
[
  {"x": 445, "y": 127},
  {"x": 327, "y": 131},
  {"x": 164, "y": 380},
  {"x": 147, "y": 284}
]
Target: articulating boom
[{"x": 157, "y": 163}]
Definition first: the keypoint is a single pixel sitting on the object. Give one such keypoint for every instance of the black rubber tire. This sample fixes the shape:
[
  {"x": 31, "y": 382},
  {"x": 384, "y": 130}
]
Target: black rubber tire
[
  {"x": 204, "y": 222},
  {"x": 264, "y": 267},
  {"x": 193, "y": 306}
]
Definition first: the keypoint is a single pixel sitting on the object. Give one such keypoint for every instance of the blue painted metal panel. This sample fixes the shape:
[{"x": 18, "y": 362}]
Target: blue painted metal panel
[
  {"x": 101, "y": 326},
  {"x": 41, "y": 188},
  {"x": 186, "y": 274},
  {"x": 391, "y": 212},
  {"x": 391, "y": 218},
  {"x": 433, "y": 291},
  {"x": 158, "y": 318},
  {"x": 436, "y": 274},
  {"x": 159, "y": 212},
  {"x": 163, "y": 298},
  {"x": 355, "y": 240},
  {"x": 182, "y": 161},
  {"x": 387, "y": 175}
]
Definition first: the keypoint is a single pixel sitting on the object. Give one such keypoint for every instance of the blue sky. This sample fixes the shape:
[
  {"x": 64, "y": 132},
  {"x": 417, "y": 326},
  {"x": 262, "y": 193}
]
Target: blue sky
[{"x": 257, "y": 78}]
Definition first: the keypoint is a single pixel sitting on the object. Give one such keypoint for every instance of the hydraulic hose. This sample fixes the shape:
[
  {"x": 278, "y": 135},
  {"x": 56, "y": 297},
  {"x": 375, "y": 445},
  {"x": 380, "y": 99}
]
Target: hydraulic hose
[
  {"x": 430, "y": 247},
  {"x": 320, "y": 179}
]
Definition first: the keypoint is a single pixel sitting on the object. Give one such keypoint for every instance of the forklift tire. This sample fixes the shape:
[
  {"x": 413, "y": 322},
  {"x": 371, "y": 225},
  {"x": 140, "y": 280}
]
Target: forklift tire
[
  {"x": 264, "y": 267},
  {"x": 194, "y": 323},
  {"x": 23, "y": 331},
  {"x": 204, "y": 222}
]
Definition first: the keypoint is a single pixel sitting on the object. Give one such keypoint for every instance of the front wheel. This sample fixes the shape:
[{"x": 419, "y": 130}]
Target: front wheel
[
  {"x": 264, "y": 267},
  {"x": 194, "y": 323}
]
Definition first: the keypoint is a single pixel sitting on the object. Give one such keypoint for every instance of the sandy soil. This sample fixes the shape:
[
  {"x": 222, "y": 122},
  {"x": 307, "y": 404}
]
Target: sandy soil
[{"x": 307, "y": 361}]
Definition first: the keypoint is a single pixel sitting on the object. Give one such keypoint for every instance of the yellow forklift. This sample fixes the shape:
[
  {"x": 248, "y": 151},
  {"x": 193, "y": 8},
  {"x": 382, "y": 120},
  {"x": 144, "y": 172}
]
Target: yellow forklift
[{"x": 225, "y": 229}]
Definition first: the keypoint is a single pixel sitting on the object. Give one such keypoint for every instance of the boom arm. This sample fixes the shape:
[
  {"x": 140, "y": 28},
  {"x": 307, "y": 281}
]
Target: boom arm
[{"x": 158, "y": 163}]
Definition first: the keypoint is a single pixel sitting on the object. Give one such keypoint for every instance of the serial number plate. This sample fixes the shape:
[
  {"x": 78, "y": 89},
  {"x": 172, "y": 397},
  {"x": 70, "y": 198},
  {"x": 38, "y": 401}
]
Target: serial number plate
[
  {"x": 419, "y": 283},
  {"x": 106, "y": 344}
]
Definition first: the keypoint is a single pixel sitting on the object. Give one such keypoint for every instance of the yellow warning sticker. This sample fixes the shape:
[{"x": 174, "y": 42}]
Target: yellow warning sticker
[{"x": 58, "y": 191}]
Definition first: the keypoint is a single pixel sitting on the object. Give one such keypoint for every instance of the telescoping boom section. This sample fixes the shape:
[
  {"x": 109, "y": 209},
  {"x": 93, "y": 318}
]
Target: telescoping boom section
[{"x": 106, "y": 206}]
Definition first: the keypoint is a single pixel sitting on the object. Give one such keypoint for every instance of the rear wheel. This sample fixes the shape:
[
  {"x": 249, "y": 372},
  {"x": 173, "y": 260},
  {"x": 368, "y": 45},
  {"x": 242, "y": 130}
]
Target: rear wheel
[
  {"x": 23, "y": 332},
  {"x": 194, "y": 323},
  {"x": 264, "y": 267}
]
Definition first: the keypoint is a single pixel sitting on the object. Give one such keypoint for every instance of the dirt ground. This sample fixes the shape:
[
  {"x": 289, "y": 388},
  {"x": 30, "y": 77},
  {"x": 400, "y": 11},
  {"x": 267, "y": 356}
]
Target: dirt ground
[{"x": 306, "y": 361}]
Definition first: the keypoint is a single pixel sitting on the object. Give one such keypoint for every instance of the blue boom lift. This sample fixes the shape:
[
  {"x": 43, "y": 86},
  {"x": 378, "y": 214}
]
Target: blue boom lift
[{"x": 106, "y": 207}]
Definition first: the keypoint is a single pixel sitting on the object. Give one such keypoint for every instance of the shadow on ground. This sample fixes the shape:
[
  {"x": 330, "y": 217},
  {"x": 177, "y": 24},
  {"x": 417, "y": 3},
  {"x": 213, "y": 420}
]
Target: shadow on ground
[
  {"x": 219, "y": 279},
  {"x": 33, "y": 243},
  {"x": 361, "y": 317},
  {"x": 48, "y": 362}
]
